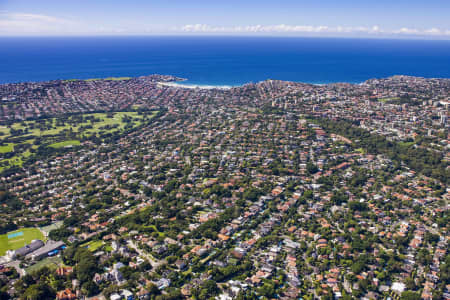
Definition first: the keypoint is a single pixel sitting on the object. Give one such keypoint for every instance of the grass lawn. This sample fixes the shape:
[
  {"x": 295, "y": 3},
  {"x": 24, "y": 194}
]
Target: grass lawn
[
  {"x": 4, "y": 130},
  {"x": 93, "y": 245},
  {"x": 7, "y": 148},
  {"x": 384, "y": 100},
  {"x": 51, "y": 227},
  {"x": 406, "y": 144},
  {"x": 117, "y": 119},
  {"x": 361, "y": 150},
  {"x": 93, "y": 79},
  {"x": 155, "y": 230},
  {"x": 18, "y": 239},
  {"x": 189, "y": 271},
  {"x": 49, "y": 262},
  {"x": 109, "y": 78},
  {"x": 203, "y": 261},
  {"x": 65, "y": 144},
  {"x": 13, "y": 161},
  {"x": 31, "y": 130}
]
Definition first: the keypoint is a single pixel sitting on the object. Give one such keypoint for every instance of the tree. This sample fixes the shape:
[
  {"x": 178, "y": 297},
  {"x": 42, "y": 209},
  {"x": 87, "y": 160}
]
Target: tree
[
  {"x": 410, "y": 295},
  {"x": 311, "y": 168},
  {"x": 252, "y": 194},
  {"x": 431, "y": 238},
  {"x": 423, "y": 257},
  {"x": 417, "y": 158},
  {"x": 338, "y": 198},
  {"x": 267, "y": 290},
  {"x": 86, "y": 265},
  {"x": 60, "y": 233},
  {"x": 90, "y": 288},
  {"x": 153, "y": 289},
  {"x": 4, "y": 295},
  {"x": 207, "y": 290},
  {"x": 357, "y": 206},
  {"x": 39, "y": 291},
  {"x": 410, "y": 284},
  {"x": 357, "y": 267},
  {"x": 68, "y": 255}
]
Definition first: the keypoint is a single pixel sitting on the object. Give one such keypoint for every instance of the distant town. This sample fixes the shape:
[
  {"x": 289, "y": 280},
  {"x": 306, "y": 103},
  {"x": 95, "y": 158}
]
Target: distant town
[{"x": 132, "y": 188}]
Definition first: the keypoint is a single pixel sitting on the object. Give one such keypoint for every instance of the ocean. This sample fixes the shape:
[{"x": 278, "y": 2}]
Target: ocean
[{"x": 221, "y": 60}]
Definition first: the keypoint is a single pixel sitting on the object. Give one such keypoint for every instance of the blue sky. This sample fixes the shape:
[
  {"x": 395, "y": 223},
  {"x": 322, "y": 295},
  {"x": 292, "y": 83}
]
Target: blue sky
[{"x": 360, "y": 18}]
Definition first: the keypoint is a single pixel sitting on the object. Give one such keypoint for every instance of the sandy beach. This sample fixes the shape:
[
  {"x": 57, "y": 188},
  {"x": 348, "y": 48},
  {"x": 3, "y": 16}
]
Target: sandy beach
[{"x": 196, "y": 86}]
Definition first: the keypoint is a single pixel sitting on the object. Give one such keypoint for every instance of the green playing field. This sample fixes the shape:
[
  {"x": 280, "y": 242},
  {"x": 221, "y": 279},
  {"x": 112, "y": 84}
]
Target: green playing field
[{"x": 15, "y": 239}]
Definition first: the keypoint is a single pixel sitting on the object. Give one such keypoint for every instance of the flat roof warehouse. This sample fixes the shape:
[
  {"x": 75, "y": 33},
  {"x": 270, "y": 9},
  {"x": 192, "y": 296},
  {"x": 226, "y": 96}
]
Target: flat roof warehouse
[
  {"x": 37, "y": 250},
  {"x": 33, "y": 246},
  {"x": 44, "y": 251}
]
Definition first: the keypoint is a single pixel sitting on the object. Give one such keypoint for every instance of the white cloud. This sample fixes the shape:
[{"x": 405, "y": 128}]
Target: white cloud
[
  {"x": 434, "y": 31},
  {"x": 376, "y": 28},
  {"x": 38, "y": 24},
  {"x": 405, "y": 30},
  {"x": 25, "y": 23},
  {"x": 299, "y": 29}
]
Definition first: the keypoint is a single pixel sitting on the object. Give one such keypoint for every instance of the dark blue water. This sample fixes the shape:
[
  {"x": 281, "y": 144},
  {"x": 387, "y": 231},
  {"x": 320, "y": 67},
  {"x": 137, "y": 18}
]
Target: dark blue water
[{"x": 221, "y": 60}]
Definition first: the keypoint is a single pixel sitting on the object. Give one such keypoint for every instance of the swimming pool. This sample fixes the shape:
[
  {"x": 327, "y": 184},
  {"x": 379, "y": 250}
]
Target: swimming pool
[{"x": 15, "y": 234}]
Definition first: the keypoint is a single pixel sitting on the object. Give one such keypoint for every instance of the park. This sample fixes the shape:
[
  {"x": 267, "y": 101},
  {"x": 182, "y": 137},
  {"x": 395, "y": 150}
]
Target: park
[
  {"x": 16, "y": 239},
  {"x": 21, "y": 140}
]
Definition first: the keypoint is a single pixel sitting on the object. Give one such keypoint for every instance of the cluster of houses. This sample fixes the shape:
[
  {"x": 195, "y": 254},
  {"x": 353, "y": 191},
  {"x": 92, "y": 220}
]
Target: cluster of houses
[
  {"x": 237, "y": 187},
  {"x": 376, "y": 103}
]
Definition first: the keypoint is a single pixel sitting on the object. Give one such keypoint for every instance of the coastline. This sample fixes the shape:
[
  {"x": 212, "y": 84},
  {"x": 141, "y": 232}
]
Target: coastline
[{"x": 179, "y": 82}]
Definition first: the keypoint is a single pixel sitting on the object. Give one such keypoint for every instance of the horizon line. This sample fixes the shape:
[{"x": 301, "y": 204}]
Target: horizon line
[{"x": 411, "y": 38}]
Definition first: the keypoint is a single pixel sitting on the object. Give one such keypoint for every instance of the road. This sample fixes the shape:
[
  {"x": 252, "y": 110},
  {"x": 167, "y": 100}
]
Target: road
[
  {"x": 147, "y": 256},
  {"x": 16, "y": 264}
]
